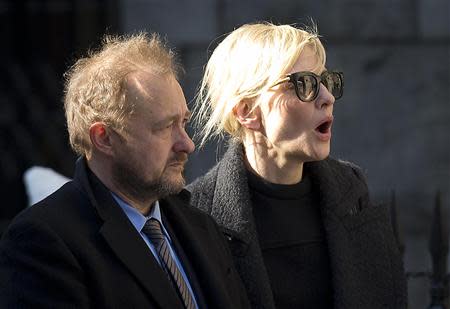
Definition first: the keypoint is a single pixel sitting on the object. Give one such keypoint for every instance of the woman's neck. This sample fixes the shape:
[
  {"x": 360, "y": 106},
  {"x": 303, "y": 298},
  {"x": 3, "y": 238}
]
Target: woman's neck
[{"x": 272, "y": 165}]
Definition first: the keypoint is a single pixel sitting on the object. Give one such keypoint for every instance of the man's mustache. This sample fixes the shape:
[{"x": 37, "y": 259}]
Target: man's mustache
[{"x": 180, "y": 158}]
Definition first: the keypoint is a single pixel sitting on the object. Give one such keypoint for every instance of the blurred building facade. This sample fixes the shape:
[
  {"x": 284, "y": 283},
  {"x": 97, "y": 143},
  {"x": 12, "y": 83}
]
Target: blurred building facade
[{"x": 394, "y": 118}]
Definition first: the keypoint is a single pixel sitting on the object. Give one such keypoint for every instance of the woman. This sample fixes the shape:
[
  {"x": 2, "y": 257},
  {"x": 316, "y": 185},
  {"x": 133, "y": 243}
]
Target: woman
[{"x": 301, "y": 227}]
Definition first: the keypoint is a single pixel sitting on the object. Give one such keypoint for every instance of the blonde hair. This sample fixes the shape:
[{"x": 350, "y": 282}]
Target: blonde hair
[
  {"x": 95, "y": 85},
  {"x": 246, "y": 63}
]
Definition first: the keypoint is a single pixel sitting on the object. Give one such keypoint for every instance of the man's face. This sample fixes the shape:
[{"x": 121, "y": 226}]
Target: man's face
[{"x": 150, "y": 157}]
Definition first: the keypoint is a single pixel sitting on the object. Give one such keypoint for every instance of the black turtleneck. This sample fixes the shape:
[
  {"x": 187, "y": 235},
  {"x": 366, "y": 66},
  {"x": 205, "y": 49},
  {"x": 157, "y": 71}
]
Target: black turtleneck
[{"x": 293, "y": 243}]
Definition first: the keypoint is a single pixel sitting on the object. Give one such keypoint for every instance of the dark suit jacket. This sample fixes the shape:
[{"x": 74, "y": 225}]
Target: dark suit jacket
[
  {"x": 77, "y": 249},
  {"x": 367, "y": 270}
]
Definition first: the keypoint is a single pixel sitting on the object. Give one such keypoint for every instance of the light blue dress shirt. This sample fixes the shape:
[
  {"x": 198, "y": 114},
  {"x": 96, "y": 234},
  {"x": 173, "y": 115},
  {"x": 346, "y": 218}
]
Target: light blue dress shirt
[{"x": 138, "y": 220}]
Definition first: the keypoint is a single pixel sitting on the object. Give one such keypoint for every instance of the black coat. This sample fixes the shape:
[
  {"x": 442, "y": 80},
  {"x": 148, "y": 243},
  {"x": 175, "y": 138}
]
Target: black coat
[
  {"x": 367, "y": 271},
  {"x": 77, "y": 249}
]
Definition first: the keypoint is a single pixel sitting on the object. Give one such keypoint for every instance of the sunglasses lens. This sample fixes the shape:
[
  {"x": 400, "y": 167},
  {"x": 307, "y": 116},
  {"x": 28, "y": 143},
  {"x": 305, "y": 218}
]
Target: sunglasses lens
[
  {"x": 333, "y": 82},
  {"x": 307, "y": 86}
]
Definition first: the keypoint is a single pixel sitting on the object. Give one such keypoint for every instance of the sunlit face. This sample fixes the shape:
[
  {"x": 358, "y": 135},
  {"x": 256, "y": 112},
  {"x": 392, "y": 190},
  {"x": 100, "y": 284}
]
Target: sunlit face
[
  {"x": 149, "y": 160},
  {"x": 295, "y": 129}
]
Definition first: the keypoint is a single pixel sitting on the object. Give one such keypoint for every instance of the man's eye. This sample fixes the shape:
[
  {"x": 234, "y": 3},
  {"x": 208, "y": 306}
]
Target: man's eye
[{"x": 168, "y": 125}]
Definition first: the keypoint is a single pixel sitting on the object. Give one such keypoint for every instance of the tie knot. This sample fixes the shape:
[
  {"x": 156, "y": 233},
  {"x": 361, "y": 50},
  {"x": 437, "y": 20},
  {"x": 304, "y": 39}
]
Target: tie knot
[{"x": 152, "y": 229}]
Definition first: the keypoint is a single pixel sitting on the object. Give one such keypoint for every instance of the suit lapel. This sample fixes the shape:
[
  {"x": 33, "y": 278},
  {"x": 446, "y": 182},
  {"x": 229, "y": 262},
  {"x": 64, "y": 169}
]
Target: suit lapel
[
  {"x": 140, "y": 262},
  {"x": 126, "y": 243},
  {"x": 190, "y": 272},
  {"x": 195, "y": 238}
]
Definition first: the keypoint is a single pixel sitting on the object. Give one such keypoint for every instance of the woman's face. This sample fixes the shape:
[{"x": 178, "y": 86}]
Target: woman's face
[{"x": 294, "y": 129}]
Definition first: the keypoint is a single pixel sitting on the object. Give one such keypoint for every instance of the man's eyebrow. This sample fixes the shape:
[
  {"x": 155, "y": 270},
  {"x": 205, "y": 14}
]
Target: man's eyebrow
[{"x": 166, "y": 120}]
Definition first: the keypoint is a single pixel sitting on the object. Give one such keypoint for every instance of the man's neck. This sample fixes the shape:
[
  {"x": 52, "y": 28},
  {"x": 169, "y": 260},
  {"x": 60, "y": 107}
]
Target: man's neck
[{"x": 103, "y": 171}]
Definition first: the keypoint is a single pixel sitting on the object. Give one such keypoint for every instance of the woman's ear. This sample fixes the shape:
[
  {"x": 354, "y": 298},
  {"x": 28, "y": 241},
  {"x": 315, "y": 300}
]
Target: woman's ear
[{"x": 247, "y": 115}]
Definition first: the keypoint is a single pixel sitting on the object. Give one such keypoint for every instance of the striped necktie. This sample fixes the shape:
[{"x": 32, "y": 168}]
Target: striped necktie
[{"x": 152, "y": 229}]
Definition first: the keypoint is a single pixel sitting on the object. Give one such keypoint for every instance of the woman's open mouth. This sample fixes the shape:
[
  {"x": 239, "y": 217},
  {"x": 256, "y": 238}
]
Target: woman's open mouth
[{"x": 323, "y": 130}]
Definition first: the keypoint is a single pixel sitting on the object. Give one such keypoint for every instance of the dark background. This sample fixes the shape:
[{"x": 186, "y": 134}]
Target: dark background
[{"x": 393, "y": 121}]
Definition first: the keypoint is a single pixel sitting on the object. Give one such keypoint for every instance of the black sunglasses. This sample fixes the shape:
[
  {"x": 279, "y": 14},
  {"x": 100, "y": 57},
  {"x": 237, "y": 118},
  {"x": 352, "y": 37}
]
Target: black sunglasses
[{"x": 307, "y": 84}]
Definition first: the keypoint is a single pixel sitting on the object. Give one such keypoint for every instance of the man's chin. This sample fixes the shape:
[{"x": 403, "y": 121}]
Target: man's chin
[
  {"x": 172, "y": 186},
  {"x": 179, "y": 185}
]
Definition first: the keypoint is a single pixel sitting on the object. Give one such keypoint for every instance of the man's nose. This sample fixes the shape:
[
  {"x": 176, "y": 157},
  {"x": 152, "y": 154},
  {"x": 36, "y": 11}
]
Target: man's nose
[{"x": 184, "y": 143}]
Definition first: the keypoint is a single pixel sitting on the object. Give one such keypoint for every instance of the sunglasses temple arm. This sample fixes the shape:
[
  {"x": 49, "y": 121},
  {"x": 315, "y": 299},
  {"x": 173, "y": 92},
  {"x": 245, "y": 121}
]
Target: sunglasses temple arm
[{"x": 286, "y": 79}]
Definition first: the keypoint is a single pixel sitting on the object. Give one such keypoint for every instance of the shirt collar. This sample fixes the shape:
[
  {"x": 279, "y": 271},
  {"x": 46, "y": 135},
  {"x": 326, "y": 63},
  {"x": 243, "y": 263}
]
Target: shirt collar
[{"x": 136, "y": 218}]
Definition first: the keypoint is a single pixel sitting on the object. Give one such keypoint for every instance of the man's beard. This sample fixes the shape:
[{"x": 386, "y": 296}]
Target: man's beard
[{"x": 128, "y": 177}]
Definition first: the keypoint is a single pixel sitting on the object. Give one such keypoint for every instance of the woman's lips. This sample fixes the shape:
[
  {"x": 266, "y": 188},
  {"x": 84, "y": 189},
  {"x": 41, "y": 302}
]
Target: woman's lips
[{"x": 323, "y": 130}]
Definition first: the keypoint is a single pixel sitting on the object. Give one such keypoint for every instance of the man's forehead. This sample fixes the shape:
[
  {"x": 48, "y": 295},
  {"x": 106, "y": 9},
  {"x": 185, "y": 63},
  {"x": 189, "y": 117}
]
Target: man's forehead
[
  {"x": 144, "y": 88},
  {"x": 141, "y": 84},
  {"x": 160, "y": 93}
]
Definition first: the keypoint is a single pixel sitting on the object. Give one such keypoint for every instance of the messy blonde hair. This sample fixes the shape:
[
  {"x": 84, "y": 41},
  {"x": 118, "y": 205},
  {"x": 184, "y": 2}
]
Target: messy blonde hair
[
  {"x": 95, "y": 85},
  {"x": 246, "y": 63}
]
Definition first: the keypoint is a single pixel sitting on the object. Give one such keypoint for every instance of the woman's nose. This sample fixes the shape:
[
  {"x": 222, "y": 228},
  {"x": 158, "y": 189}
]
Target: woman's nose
[{"x": 325, "y": 98}]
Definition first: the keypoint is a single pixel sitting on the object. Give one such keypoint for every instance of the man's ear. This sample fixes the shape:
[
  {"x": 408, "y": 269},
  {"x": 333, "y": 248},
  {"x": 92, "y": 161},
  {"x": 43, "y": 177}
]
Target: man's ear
[
  {"x": 248, "y": 116},
  {"x": 101, "y": 138}
]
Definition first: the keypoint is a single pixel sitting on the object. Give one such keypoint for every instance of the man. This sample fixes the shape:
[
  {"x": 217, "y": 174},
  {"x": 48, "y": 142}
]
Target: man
[{"x": 120, "y": 235}]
